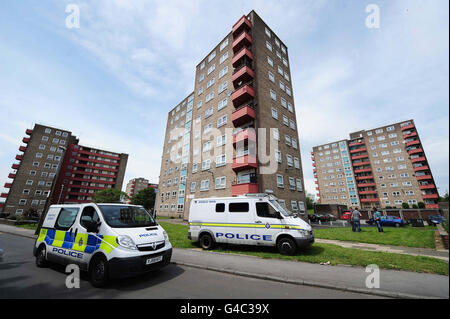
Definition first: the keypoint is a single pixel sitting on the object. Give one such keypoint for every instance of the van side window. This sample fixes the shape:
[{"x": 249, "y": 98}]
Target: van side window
[
  {"x": 66, "y": 218},
  {"x": 89, "y": 215},
  {"x": 220, "y": 208},
  {"x": 265, "y": 210},
  {"x": 239, "y": 208}
]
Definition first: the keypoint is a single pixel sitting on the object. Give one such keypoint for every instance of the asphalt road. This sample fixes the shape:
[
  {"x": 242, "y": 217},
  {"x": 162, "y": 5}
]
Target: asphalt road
[{"x": 20, "y": 278}]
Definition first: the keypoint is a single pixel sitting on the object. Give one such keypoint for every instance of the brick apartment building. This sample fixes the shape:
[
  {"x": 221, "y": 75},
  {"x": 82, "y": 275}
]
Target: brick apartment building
[
  {"x": 54, "y": 166},
  {"x": 382, "y": 167},
  {"x": 237, "y": 132},
  {"x": 135, "y": 185}
]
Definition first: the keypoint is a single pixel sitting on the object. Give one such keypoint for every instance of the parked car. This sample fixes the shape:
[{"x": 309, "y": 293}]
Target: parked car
[
  {"x": 312, "y": 218},
  {"x": 435, "y": 220},
  {"x": 389, "y": 221},
  {"x": 331, "y": 217},
  {"x": 346, "y": 216}
]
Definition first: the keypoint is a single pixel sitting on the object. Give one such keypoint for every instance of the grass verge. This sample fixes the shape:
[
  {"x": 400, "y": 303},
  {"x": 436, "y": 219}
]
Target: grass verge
[
  {"x": 319, "y": 253},
  {"x": 405, "y": 236}
]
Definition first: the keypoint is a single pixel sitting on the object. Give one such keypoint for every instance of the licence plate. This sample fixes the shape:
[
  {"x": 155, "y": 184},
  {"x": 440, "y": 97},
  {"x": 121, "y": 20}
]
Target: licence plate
[{"x": 154, "y": 260}]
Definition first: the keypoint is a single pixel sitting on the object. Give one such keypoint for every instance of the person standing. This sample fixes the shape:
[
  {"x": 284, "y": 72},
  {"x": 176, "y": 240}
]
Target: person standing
[
  {"x": 377, "y": 219},
  {"x": 356, "y": 219}
]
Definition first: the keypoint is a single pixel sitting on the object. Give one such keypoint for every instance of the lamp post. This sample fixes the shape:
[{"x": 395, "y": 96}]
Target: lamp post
[{"x": 47, "y": 202}]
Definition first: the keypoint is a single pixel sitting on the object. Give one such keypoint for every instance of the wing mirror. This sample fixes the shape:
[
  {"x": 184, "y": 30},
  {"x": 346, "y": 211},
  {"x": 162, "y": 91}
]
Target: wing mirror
[{"x": 92, "y": 226}]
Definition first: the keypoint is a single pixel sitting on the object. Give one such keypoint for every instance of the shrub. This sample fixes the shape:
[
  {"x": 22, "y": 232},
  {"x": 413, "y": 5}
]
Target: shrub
[
  {"x": 415, "y": 206},
  {"x": 405, "y": 206},
  {"x": 421, "y": 205}
]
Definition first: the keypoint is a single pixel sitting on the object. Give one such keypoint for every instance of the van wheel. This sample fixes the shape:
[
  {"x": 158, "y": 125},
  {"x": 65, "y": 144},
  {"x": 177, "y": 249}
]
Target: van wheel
[
  {"x": 206, "y": 242},
  {"x": 287, "y": 246},
  {"x": 41, "y": 261},
  {"x": 98, "y": 272}
]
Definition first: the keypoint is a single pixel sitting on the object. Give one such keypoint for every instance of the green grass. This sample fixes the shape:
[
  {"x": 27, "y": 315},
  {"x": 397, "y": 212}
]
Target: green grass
[
  {"x": 406, "y": 236},
  {"x": 28, "y": 226},
  {"x": 319, "y": 253}
]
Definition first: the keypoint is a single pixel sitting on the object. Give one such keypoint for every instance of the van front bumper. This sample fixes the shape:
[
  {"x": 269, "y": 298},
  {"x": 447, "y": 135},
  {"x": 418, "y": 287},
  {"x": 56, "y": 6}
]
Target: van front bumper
[
  {"x": 129, "y": 267},
  {"x": 304, "y": 242}
]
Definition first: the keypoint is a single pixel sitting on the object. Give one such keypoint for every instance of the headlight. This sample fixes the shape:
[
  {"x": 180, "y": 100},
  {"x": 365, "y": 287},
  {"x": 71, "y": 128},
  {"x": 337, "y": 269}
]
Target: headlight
[
  {"x": 126, "y": 242},
  {"x": 166, "y": 237},
  {"x": 303, "y": 233}
]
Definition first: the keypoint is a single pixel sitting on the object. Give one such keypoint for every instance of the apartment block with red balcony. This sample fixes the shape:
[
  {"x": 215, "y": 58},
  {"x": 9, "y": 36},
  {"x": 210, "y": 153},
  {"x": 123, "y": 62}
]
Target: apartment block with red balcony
[
  {"x": 135, "y": 185},
  {"x": 86, "y": 171},
  {"x": 234, "y": 95},
  {"x": 388, "y": 164}
]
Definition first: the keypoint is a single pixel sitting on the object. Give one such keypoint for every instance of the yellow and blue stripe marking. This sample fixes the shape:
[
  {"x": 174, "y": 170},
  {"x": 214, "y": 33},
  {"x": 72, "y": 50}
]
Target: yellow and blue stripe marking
[{"x": 231, "y": 225}]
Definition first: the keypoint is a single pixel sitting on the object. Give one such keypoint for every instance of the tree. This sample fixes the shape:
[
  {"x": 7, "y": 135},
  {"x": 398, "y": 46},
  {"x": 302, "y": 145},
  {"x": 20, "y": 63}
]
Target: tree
[
  {"x": 445, "y": 198},
  {"x": 421, "y": 205},
  {"x": 310, "y": 201},
  {"x": 145, "y": 198},
  {"x": 110, "y": 196}
]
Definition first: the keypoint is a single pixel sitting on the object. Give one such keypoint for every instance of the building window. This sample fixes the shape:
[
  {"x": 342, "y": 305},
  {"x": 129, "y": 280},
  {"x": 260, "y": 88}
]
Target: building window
[
  {"x": 221, "y": 182},
  {"x": 280, "y": 181}
]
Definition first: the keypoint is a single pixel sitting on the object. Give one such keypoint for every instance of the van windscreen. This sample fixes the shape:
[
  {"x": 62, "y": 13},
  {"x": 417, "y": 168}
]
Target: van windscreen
[{"x": 126, "y": 216}]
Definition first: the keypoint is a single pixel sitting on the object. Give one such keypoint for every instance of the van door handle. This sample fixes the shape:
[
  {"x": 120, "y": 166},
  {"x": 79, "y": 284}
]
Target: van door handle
[{"x": 258, "y": 222}]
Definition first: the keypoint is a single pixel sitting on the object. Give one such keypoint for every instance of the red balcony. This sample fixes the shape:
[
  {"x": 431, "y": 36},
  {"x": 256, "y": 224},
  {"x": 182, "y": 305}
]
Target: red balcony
[
  {"x": 314, "y": 164},
  {"x": 12, "y": 176},
  {"x": 15, "y": 166},
  {"x": 243, "y": 189},
  {"x": 244, "y": 74},
  {"x": 242, "y": 24},
  {"x": 29, "y": 132},
  {"x": 367, "y": 192},
  {"x": 413, "y": 134},
  {"x": 367, "y": 185},
  {"x": 421, "y": 168},
  {"x": 244, "y": 136},
  {"x": 19, "y": 157},
  {"x": 244, "y": 54},
  {"x": 430, "y": 196},
  {"x": 432, "y": 206},
  {"x": 424, "y": 177},
  {"x": 418, "y": 159},
  {"x": 408, "y": 127},
  {"x": 317, "y": 188},
  {"x": 26, "y": 140},
  {"x": 362, "y": 178},
  {"x": 316, "y": 182},
  {"x": 243, "y": 115},
  {"x": 412, "y": 143},
  {"x": 370, "y": 200},
  {"x": 360, "y": 157},
  {"x": 243, "y": 40},
  {"x": 365, "y": 170},
  {"x": 362, "y": 149},
  {"x": 415, "y": 151},
  {"x": 357, "y": 144},
  {"x": 243, "y": 95},
  {"x": 244, "y": 162},
  {"x": 361, "y": 164},
  {"x": 3, "y": 195},
  {"x": 8, "y": 185},
  {"x": 429, "y": 186},
  {"x": 315, "y": 170},
  {"x": 22, "y": 148}
]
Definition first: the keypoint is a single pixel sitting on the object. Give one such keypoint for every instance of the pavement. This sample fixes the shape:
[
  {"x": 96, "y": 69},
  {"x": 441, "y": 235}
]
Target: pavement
[{"x": 393, "y": 284}]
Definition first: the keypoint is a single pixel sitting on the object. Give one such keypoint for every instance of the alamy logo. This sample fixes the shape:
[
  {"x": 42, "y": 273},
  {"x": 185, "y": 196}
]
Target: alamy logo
[
  {"x": 373, "y": 19},
  {"x": 73, "y": 19},
  {"x": 373, "y": 279},
  {"x": 73, "y": 279}
]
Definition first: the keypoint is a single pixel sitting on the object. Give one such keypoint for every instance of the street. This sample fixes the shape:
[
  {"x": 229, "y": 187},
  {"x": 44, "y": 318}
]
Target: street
[{"x": 20, "y": 278}]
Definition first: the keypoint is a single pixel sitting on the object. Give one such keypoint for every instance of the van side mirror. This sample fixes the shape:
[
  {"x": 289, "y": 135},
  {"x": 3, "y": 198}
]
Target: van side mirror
[{"x": 92, "y": 226}]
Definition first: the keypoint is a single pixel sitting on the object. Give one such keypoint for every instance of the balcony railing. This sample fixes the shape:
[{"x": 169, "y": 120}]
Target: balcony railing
[
  {"x": 244, "y": 54},
  {"x": 418, "y": 159},
  {"x": 370, "y": 200},
  {"x": 415, "y": 151},
  {"x": 421, "y": 168},
  {"x": 15, "y": 166},
  {"x": 243, "y": 95},
  {"x": 360, "y": 156},
  {"x": 242, "y": 40},
  {"x": 12, "y": 175},
  {"x": 22, "y": 148},
  {"x": 243, "y": 115},
  {"x": 19, "y": 157},
  {"x": 244, "y": 162},
  {"x": 4, "y": 195},
  {"x": 430, "y": 196},
  {"x": 29, "y": 132},
  {"x": 412, "y": 143},
  {"x": 243, "y": 189},
  {"x": 428, "y": 186},
  {"x": 242, "y": 24},
  {"x": 26, "y": 140},
  {"x": 424, "y": 177},
  {"x": 408, "y": 127},
  {"x": 244, "y": 135},
  {"x": 242, "y": 75}
]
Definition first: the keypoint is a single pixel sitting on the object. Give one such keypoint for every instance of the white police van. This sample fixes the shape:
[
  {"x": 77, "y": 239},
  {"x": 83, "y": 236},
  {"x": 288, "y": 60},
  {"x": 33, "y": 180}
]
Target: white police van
[
  {"x": 106, "y": 240},
  {"x": 255, "y": 219}
]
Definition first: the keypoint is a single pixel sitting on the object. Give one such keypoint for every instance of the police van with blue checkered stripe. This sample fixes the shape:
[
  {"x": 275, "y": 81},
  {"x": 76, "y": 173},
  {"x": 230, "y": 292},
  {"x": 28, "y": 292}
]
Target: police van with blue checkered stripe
[
  {"x": 253, "y": 219},
  {"x": 106, "y": 240}
]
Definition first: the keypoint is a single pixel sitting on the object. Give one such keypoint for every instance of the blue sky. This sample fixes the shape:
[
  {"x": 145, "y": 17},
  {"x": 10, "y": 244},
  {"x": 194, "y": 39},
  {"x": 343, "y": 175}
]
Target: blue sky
[{"x": 113, "y": 80}]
